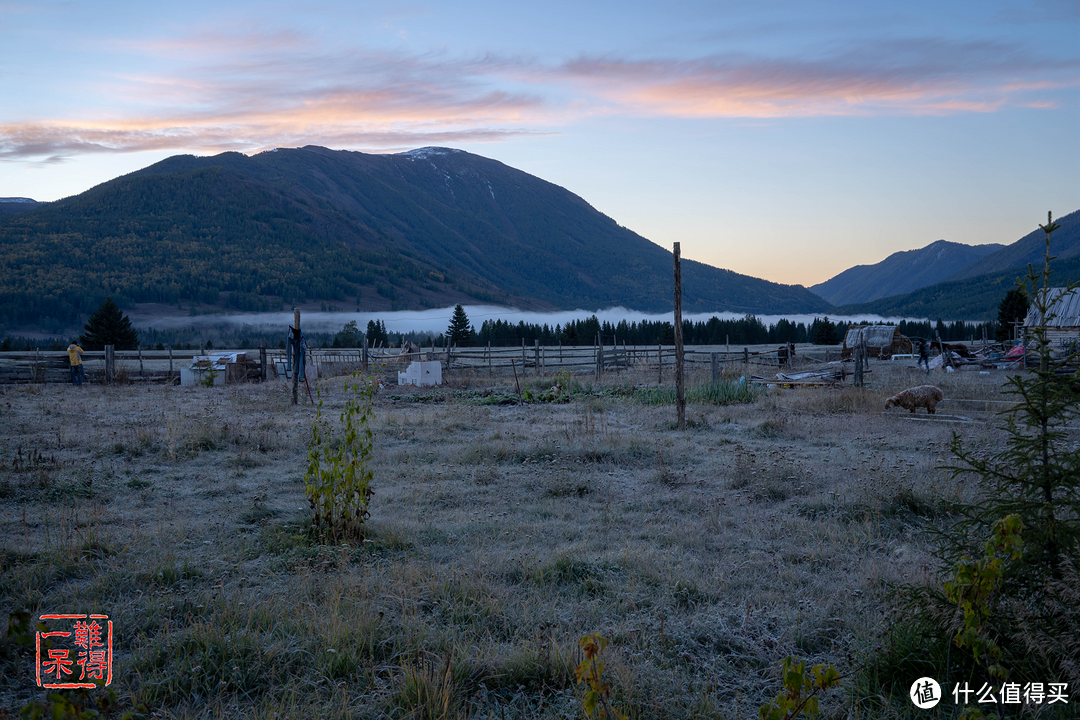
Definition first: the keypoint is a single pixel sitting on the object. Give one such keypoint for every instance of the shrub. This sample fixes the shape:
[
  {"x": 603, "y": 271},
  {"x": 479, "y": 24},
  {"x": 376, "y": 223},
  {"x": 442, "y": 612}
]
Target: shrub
[{"x": 338, "y": 478}]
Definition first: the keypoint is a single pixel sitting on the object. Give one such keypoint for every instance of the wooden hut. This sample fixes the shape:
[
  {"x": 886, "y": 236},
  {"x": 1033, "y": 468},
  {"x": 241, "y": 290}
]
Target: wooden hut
[
  {"x": 882, "y": 341},
  {"x": 1063, "y": 325}
]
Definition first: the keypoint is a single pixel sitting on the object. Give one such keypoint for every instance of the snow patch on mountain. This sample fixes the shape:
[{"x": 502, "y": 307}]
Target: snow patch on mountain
[{"x": 427, "y": 152}]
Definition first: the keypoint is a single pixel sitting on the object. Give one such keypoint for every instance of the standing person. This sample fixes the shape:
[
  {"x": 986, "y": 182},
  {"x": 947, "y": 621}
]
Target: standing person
[
  {"x": 924, "y": 356},
  {"x": 75, "y": 356}
]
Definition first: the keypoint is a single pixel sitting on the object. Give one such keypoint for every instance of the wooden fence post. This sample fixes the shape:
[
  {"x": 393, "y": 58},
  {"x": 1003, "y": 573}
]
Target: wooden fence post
[
  {"x": 140, "y": 362},
  {"x": 715, "y": 366},
  {"x": 596, "y": 350},
  {"x": 262, "y": 363},
  {"x": 536, "y": 355},
  {"x": 171, "y": 368},
  {"x": 746, "y": 356},
  {"x": 110, "y": 361},
  {"x": 858, "y": 360},
  {"x": 680, "y": 396},
  {"x": 489, "y": 358},
  {"x": 660, "y": 364},
  {"x": 364, "y": 354},
  {"x": 295, "y": 340}
]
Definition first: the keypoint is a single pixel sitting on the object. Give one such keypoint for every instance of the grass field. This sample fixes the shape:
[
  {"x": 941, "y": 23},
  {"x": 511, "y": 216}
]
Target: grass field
[{"x": 499, "y": 535}]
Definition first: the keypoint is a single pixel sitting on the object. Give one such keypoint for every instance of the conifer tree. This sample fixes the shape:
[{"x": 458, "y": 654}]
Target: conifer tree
[
  {"x": 1013, "y": 307},
  {"x": 376, "y": 333},
  {"x": 108, "y": 326},
  {"x": 459, "y": 332},
  {"x": 1034, "y": 477}
]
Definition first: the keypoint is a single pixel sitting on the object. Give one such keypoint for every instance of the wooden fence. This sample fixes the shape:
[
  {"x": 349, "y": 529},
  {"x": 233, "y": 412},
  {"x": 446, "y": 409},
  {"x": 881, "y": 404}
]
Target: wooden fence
[{"x": 164, "y": 366}]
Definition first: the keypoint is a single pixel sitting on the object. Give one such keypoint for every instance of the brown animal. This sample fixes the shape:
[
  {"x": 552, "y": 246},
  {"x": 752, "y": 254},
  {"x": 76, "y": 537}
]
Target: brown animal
[{"x": 926, "y": 396}]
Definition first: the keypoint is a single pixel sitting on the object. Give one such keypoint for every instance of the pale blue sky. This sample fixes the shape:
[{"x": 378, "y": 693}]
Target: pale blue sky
[{"x": 784, "y": 140}]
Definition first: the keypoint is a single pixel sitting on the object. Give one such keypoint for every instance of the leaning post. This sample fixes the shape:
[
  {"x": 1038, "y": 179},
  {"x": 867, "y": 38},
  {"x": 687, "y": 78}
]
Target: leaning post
[{"x": 680, "y": 396}]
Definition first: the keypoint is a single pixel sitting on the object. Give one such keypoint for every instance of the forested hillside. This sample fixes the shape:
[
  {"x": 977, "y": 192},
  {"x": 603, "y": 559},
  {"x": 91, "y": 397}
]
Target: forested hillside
[
  {"x": 973, "y": 299},
  {"x": 420, "y": 229},
  {"x": 901, "y": 272}
]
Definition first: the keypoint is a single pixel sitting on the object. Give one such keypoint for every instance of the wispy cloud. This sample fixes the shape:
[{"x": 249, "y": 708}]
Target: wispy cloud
[
  {"x": 258, "y": 90},
  {"x": 909, "y": 78}
]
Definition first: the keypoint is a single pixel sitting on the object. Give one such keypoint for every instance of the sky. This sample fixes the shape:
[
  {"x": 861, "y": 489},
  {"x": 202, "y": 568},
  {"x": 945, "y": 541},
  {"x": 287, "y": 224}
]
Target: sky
[{"x": 784, "y": 140}]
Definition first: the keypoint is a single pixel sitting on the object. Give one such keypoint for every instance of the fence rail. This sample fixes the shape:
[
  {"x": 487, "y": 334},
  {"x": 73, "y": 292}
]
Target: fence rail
[{"x": 158, "y": 365}]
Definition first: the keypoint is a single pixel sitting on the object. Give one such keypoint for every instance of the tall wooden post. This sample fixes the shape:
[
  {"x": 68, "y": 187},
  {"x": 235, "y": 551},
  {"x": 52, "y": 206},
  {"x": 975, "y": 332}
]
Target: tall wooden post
[
  {"x": 110, "y": 363},
  {"x": 170, "y": 363},
  {"x": 859, "y": 360},
  {"x": 536, "y": 355},
  {"x": 596, "y": 350},
  {"x": 295, "y": 340},
  {"x": 262, "y": 363},
  {"x": 489, "y": 358},
  {"x": 680, "y": 396},
  {"x": 141, "y": 373},
  {"x": 364, "y": 355},
  {"x": 715, "y": 366}
]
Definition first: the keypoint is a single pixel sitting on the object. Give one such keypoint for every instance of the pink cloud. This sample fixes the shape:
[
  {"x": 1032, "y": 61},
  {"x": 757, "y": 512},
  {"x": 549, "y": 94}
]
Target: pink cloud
[
  {"x": 931, "y": 79},
  {"x": 270, "y": 89}
]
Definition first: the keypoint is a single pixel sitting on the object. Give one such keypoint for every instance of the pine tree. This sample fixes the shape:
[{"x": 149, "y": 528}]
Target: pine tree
[
  {"x": 459, "y": 332},
  {"x": 376, "y": 333},
  {"x": 108, "y": 326},
  {"x": 1036, "y": 478},
  {"x": 824, "y": 332},
  {"x": 1013, "y": 307}
]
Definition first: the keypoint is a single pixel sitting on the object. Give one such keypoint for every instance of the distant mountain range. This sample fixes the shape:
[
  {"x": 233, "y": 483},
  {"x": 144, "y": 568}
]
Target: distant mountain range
[
  {"x": 425, "y": 228},
  {"x": 17, "y": 204},
  {"x": 974, "y": 292},
  {"x": 901, "y": 272}
]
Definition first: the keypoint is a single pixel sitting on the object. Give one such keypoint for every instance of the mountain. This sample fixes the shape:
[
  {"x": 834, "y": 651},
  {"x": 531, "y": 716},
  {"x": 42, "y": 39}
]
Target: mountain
[
  {"x": 901, "y": 272},
  {"x": 1029, "y": 249},
  {"x": 17, "y": 204},
  {"x": 417, "y": 229},
  {"x": 976, "y": 297}
]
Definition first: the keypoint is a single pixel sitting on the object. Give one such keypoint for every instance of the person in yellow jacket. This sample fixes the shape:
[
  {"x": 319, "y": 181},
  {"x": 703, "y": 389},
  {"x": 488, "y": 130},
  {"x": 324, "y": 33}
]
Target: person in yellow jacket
[{"x": 75, "y": 356}]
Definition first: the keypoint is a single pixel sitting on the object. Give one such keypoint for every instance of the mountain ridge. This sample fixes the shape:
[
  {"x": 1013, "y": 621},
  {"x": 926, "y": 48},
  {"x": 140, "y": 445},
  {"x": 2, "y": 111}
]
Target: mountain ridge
[
  {"x": 901, "y": 273},
  {"x": 412, "y": 230}
]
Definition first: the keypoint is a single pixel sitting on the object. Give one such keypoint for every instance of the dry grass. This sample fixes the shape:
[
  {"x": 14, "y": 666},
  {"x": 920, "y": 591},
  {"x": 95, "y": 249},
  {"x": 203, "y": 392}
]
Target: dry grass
[{"x": 499, "y": 535}]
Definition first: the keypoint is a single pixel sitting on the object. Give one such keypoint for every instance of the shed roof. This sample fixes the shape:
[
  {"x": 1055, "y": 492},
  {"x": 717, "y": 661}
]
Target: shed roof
[
  {"x": 1064, "y": 311},
  {"x": 876, "y": 335}
]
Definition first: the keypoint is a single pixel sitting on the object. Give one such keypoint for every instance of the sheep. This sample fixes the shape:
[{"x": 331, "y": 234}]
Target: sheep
[{"x": 926, "y": 396}]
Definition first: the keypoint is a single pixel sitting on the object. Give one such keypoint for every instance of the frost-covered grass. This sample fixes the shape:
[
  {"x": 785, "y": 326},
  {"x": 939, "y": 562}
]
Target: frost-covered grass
[{"x": 499, "y": 535}]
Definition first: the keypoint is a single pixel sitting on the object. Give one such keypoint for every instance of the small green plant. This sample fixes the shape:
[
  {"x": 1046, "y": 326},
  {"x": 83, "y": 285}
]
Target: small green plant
[
  {"x": 973, "y": 586},
  {"x": 339, "y": 475},
  {"x": 597, "y": 700},
  {"x": 209, "y": 376},
  {"x": 81, "y": 705},
  {"x": 801, "y": 690}
]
